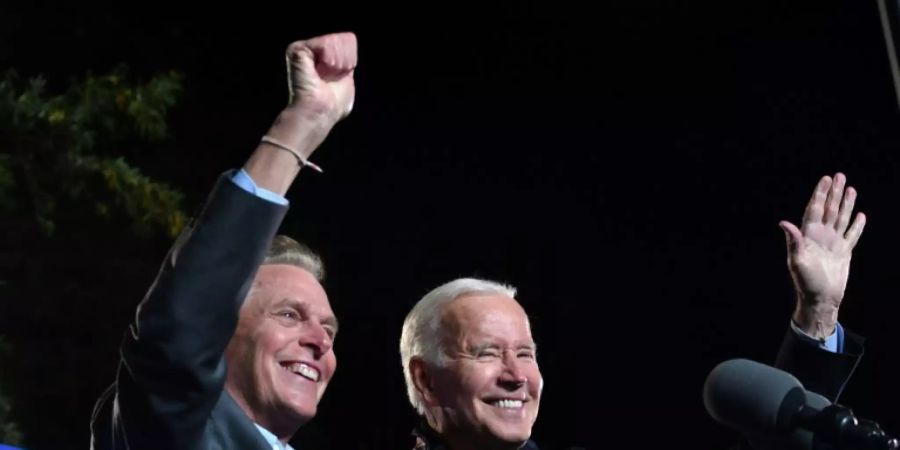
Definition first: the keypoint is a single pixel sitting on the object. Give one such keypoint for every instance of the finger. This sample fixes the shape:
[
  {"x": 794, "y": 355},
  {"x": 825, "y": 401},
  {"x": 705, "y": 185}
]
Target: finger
[
  {"x": 349, "y": 51},
  {"x": 319, "y": 48},
  {"x": 832, "y": 205},
  {"x": 792, "y": 235},
  {"x": 326, "y": 54},
  {"x": 331, "y": 62},
  {"x": 816, "y": 205},
  {"x": 344, "y": 48},
  {"x": 333, "y": 43},
  {"x": 352, "y": 51},
  {"x": 846, "y": 210},
  {"x": 301, "y": 57},
  {"x": 856, "y": 229}
]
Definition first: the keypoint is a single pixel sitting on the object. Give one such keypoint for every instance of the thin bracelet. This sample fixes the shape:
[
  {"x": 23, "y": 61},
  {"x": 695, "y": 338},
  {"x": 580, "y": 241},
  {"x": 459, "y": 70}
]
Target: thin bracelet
[{"x": 301, "y": 161}]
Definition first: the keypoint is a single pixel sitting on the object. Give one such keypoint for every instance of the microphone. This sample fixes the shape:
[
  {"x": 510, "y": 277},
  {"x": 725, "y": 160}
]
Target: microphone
[{"x": 771, "y": 405}]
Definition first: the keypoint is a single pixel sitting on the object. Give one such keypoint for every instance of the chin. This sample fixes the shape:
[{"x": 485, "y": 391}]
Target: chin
[
  {"x": 300, "y": 409},
  {"x": 511, "y": 435},
  {"x": 304, "y": 412}
]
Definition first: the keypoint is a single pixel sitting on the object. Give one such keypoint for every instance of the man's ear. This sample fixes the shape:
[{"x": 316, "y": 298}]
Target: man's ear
[{"x": 423, "y": 379}]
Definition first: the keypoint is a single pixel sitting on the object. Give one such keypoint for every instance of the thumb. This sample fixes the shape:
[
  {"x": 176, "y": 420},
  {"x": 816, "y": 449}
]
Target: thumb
[
  {"x": 301, "y": 66},
  {"x": 792, "y": 236}
]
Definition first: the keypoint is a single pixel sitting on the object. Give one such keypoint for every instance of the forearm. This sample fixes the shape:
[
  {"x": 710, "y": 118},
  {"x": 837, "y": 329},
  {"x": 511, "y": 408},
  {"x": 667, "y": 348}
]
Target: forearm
[{"x": 275, "y": 169}]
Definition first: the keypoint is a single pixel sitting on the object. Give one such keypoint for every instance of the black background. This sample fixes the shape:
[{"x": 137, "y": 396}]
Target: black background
[{"x": 624, "y": 164}]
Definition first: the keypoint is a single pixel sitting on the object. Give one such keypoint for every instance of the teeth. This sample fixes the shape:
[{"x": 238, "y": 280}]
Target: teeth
[
  {"x": 304, "y": 371},
  {"x": 509, "y": 404}
]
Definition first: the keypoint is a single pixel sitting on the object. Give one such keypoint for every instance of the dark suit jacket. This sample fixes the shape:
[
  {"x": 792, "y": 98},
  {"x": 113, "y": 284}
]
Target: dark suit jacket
[
  {"x": 423, "y": 437},
  {"x": 169, "y": 390},
  {"x": 819, "y": 371}
]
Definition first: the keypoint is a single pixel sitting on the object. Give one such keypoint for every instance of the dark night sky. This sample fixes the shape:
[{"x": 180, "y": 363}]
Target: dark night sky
[{"x": 625, "y": 167}]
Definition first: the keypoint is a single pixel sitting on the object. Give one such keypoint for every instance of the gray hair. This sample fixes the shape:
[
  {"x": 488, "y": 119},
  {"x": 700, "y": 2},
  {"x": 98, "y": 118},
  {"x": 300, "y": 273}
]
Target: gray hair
[
  {"x": 421, "y": 330},
  {"x": 285, "y": 250}
]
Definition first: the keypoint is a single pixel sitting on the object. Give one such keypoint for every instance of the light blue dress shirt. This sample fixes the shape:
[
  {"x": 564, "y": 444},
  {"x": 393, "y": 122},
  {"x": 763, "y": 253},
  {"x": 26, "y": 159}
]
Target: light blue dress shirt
[
  {"x": 833, "y": 343},
  {"x": 272, "y": 440}
]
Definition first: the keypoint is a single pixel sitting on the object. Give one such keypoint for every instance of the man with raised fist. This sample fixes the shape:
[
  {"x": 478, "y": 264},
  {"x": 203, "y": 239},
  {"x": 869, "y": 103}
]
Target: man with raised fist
[{"x": 232, "y": 347}]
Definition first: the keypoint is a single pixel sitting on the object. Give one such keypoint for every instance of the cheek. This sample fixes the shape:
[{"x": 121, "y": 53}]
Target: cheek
[
  {"x": 455, "y": 386},
  {"x": 535, "y": 382},
  {"x": 330, "y": 364},
  {"x": 480, "y": 380},
  {"x": 272, "y": 340}
]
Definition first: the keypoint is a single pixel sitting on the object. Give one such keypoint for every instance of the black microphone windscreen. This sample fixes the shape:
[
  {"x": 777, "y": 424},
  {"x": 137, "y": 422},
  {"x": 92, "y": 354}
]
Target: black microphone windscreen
[
  {"x": 748, "y": 396},
  {"x": 800, "y": 438}
]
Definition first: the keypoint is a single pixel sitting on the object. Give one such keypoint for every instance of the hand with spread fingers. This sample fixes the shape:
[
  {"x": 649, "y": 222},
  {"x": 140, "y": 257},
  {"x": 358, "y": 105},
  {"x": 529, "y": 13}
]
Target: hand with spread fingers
[{"x": 819, "y": 253}]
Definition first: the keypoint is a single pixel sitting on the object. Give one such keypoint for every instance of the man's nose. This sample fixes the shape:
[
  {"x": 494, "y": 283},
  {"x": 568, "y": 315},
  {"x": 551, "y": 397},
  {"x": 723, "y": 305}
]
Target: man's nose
[
  {"x": 512, "y": 377},
  {"x": 315, "y": 337}
]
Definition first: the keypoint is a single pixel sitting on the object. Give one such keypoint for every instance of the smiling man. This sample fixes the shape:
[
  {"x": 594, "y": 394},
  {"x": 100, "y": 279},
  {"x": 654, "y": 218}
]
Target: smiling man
[
  {"x": 280, "y": 358},
  {"x": 232, "y": 346},
  {"x": 471, "y": 368}
]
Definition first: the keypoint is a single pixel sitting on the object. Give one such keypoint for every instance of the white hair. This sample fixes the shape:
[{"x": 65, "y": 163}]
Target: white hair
[{"x": 421, "y": 335}]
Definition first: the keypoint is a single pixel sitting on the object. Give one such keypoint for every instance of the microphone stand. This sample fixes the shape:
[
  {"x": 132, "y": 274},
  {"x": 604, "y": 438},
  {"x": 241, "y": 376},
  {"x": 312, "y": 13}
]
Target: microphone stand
[{"x": 840, "y": 429}]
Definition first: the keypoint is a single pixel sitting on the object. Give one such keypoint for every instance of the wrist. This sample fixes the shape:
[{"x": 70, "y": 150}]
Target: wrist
[
  {"x": 300, "y": 129},
  {"x": 816, "y": 319},
  {"x": 272, "y": 169}
]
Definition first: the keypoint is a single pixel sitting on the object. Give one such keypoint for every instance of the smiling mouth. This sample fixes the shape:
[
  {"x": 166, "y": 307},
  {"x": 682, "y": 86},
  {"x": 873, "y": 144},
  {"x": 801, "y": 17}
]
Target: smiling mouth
[
  {"x": 305, "y": 371},
  {"x": 506, "y": 403}
]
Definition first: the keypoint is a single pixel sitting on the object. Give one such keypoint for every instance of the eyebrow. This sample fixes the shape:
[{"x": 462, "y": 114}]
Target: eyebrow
[
  {"x": 332, "y": 322},
  {"x": 477, "y": 348},
  {"x": 530, "y": 346},
  {"x": 481, "y": 347}
]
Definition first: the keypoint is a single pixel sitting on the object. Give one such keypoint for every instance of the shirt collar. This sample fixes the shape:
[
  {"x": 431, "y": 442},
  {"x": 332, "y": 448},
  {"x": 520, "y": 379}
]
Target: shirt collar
[{"x": 272, "y": 439}]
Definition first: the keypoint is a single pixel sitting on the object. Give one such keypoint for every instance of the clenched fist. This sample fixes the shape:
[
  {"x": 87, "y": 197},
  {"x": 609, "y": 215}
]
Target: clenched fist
[{"x": 320, "y": 76}]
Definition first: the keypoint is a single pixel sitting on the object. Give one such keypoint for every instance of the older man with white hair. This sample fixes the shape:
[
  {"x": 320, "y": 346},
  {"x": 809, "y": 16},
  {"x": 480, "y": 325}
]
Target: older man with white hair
[
  {"x": 471, "y": 368},
  {"x": 470, "y": 362}
]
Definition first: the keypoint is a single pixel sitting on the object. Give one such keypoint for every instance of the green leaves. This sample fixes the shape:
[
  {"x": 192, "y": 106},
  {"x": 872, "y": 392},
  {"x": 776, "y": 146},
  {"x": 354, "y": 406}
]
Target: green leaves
[
  {"x": 68, "y": 150},
  {"x": 68, "y": 182},
  {"x": 149, "y": 204}
]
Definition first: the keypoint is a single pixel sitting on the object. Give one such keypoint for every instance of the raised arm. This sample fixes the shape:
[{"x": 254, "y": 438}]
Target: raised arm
[{"x": 173, "y": 370}]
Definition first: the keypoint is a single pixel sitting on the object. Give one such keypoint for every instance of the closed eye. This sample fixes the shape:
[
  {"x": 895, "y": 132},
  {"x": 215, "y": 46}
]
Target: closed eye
[{"x": 287, "y": 314}]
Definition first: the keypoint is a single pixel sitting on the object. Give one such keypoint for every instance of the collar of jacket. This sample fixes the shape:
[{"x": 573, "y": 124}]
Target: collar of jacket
[{"x": 425, "y": 438}]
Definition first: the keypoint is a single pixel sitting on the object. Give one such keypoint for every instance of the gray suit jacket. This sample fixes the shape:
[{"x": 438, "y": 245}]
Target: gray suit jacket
[{"x": 169, "y": 390}]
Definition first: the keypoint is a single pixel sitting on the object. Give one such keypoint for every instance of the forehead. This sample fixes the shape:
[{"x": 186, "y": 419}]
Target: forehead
[
  {"x": 493, "y": 315},
  {"x": 281, "y": 283}
]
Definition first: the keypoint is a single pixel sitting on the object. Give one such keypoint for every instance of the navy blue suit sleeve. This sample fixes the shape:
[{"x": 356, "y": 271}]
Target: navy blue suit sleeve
[
  {"x": 820, "y": 370},
  {"x": 173, "y": 368}
]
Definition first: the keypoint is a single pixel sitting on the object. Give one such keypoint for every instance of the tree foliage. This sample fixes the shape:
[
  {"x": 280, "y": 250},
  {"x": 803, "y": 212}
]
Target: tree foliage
[
  {"x": 67, "y": 148},
  {"x": 66, "y": 183}
]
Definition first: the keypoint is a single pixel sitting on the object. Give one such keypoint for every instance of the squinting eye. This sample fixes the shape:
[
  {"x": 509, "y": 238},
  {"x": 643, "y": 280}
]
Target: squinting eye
[
  {"x": 488, "y": 354},
  {"x": 527, "y": 355}
]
